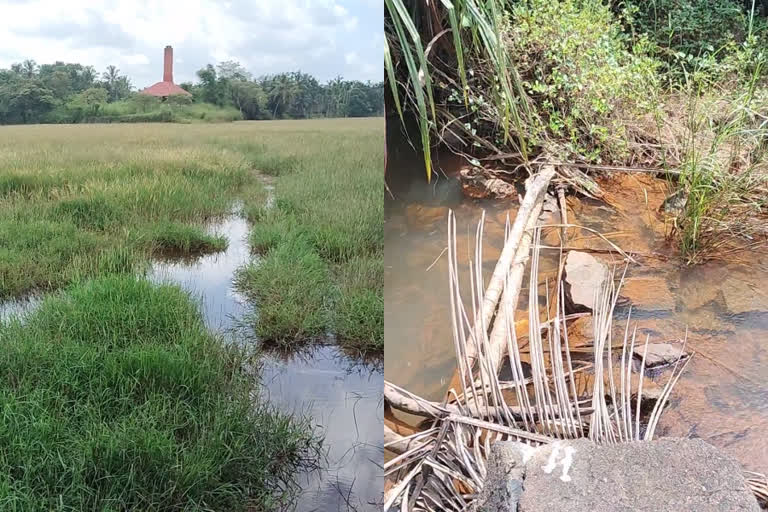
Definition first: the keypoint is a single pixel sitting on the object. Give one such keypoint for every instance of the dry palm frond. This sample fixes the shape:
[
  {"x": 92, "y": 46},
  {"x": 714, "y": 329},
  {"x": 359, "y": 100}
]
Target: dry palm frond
[
  {"x": 758, "y": 484},
  {"x": 443, "y": 468}
]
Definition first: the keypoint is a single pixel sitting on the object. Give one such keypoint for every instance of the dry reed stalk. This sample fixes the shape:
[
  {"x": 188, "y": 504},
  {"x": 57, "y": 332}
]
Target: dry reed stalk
[
  {"x": 443, "y": 468},
  {"x": 533, "y": 197}
]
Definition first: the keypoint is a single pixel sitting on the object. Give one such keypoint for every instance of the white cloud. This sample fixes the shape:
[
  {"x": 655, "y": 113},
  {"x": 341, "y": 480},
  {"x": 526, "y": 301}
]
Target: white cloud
[{"x": 267, "y": 36}]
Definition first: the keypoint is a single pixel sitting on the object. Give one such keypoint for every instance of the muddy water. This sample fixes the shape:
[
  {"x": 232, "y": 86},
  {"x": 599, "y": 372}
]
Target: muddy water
[
  {"x": 722, "y": 397},
  {"x": 341, "y": 395}
]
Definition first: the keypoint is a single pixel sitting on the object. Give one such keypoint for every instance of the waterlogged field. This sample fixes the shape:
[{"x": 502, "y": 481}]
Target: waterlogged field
[{"x": 116, "y": 394}]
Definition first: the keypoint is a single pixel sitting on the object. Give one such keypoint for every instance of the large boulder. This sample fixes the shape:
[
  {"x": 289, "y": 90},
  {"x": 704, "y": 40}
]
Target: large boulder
[
  {"x": 584, "y": 274},
  {"x": 680, "y": 475}
]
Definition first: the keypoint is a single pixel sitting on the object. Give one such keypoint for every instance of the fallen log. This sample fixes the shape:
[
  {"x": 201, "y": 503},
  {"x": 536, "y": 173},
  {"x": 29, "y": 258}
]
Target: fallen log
[{"x": 531, "y": 204}]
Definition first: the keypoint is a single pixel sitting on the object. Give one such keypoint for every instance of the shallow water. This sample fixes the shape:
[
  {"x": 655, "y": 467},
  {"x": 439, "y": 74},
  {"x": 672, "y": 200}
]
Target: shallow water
[
  {"x": 722, "y": 397},
  {"x": 342, "y": 395}
]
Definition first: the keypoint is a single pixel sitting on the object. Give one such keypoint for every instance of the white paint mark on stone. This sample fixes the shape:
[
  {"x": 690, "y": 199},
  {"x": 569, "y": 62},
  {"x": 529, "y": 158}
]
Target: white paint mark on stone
[
  {"x": 567, "y": 461},
  {"x": 528, "y": 452},
  {"x": 552, "y": 462}
]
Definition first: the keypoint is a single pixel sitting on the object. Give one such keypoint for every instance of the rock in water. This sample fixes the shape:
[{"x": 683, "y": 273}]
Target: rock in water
[
  {"x": 584, "y": 274},
  {"x": 659, "y": 354},
  {"x": 675, "y": 203},
  {"x": 675, "y": 475},
  {"x": 648, "y": 294},
  {"x": 741, "y": 296},
  {"x": 478, "y": 184}
]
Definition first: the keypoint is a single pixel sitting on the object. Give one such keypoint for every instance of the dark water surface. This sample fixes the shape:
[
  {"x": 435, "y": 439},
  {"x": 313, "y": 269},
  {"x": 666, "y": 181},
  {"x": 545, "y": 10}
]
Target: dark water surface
[{"x": 723, "y": 396}]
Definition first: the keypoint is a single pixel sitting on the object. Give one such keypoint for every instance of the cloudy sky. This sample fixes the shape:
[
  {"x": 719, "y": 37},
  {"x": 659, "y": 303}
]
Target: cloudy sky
[{"x": 323, "y": 37}]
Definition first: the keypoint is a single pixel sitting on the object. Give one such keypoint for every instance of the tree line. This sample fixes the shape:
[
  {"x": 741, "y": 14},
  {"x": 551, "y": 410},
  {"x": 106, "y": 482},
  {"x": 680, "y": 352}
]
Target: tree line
[{"x": 67, "y": 92}]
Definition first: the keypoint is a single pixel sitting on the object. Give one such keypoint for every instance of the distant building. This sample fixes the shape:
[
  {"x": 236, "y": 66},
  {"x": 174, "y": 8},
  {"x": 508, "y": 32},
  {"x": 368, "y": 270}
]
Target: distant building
[{"x": 166, "y": 87}]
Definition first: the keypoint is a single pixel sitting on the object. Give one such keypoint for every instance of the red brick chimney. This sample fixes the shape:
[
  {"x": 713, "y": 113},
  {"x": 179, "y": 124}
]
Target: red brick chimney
[{"x": 168, "y": 64}]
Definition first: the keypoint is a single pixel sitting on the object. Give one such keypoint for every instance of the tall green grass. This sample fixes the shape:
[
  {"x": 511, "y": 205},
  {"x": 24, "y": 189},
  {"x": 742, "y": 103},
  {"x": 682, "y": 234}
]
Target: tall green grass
[
  {"x": 70, "y": 194},
  {"x": 723, "y": 172},
  {"x": 116, "y": 397},
  {"x": 322, "y": 241},
  {"x": 476, "y": 29}
]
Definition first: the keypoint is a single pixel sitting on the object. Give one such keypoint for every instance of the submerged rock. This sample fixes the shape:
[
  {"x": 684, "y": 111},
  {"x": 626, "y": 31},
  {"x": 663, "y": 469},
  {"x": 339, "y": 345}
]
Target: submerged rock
[
  {"x": 477, "y": 184},
  {"x": 740, "y": 296},
  {"x": 584, "y": 275},
  {"x": 659, "y": 354},
  {"x": 648, "y": 294},
  {"x": 677, "y": 475}
]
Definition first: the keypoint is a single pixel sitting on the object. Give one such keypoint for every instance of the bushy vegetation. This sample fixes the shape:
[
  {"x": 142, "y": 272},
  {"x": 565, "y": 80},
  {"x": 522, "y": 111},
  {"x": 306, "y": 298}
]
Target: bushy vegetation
[
  {"x": 293, "y": 95},
  {"x": 73, "y": 93},
  {"x": 712, "y": 37},
  {"x": 322, "y": 237},
  {"x": 677, "y": 85},
  {"x": 583, "y": 76},
  {"x": 116, "y": 397}
]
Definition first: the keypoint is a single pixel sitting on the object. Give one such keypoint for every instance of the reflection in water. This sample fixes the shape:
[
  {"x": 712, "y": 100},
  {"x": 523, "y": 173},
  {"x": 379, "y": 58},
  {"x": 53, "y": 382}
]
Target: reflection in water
[
  {"x": 723, "y": 396},
  {"x": 342, "y": 395},
  {"x": 18, "y": 307},
  {"x": 345, "y": 399},
  {"x": 210, "y": 277}
]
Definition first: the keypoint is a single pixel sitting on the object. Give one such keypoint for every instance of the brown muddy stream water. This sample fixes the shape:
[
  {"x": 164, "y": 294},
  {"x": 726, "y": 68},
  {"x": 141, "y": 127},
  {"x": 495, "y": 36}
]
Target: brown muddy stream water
[
  {"x": 341, "y": 395},
  {"x": 723, "y": 395}
]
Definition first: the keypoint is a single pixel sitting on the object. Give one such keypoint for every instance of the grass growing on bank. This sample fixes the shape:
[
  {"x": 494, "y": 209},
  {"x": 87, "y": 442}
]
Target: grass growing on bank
[
  {"x": 323, "y": 237},
  {"x": 116, "y": 397},
  {"x": 171, "y": 238}
]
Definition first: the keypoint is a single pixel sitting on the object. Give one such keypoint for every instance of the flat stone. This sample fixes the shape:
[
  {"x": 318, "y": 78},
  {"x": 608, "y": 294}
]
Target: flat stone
[
  {"x": 504, "y": 477},
  {"x": 680, "y": 475},
  {"x": 583, "y": 275},
  {"x": 648, "y": 293},
  {"x": 479, "y": 184},
  {"x": 658, "y": 354},
  {"x": 742, "y": 297}
]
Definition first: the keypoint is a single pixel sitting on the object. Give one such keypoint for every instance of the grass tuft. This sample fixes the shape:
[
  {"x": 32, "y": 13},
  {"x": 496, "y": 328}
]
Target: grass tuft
[
  {"x": 291, "y": 288},
  {"x": 360, "y": 310},
  {"x": 115, "y": 396},
  {"x": 174, "y": 238},
  {"x": 89, "y": 213}
]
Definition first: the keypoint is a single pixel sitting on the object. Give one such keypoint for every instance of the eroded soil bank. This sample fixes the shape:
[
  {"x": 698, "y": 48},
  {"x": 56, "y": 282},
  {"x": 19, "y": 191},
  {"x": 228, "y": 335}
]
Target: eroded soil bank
[{"x": 721, "y": 398}]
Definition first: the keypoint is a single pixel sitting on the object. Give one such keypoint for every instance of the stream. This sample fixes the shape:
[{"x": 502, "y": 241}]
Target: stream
[
  {"x": 341, "y": 394},
  {"x": 722, "y": 397}
]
